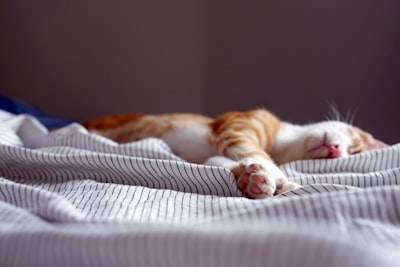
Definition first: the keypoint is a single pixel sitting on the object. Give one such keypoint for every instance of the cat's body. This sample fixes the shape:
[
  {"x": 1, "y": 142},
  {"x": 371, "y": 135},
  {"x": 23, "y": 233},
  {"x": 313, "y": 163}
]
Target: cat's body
[{"x": 249, "y": 143}]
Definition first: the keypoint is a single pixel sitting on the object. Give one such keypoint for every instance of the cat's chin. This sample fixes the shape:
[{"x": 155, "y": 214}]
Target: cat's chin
[
  {"x": 321, "y": 149},
  {"x": 323, "y": 153}
]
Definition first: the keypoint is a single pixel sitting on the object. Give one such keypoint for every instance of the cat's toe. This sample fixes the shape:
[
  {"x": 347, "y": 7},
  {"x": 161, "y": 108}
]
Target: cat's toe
[
  {"x": 254, "y": 167},
  {"x": 256, "y": 184},
  {"x": 260, "y": 191},
  {"x": 243, "y": 181},
  {"x": 260, "y": 186},
  {"x": 261, "y": 179},
  {"x": 285, "y": 186}
]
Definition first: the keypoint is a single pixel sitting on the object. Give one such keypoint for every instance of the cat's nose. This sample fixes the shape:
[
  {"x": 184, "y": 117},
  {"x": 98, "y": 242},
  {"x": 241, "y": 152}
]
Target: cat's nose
[{"x": 333, "y": 150}]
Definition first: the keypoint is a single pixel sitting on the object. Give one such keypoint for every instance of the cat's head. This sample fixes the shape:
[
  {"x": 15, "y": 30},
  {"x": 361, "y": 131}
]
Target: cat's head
[
  {"x": 333, "y": 139},
  {"x": 328, "y": 139}
]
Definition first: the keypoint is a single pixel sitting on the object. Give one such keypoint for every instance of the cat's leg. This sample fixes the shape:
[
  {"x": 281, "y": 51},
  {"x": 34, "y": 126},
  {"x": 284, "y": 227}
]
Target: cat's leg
[
  {"x": 256, "y": 177},
  {"x": 245, "y": 138}
]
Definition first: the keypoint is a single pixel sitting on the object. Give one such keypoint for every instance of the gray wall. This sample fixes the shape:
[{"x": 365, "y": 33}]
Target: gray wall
[
  {"x": 295, "y": 57},
  {"x": 84, "y": 58}
]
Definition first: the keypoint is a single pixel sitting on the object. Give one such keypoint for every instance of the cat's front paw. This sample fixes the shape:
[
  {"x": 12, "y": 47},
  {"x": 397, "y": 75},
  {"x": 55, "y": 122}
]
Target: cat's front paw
[{"x": 262, "y": 180}]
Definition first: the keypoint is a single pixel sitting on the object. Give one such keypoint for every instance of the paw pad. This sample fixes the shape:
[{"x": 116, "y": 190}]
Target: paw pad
[
  {"x": 255, "y": 183},
  {"x": 262, "y": 180}
]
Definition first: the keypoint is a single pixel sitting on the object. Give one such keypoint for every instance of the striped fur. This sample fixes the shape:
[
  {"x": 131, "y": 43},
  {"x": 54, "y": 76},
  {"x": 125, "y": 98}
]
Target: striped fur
[
  {"x": 249, "y": 143},
  {"x": 69, "y": 198}
]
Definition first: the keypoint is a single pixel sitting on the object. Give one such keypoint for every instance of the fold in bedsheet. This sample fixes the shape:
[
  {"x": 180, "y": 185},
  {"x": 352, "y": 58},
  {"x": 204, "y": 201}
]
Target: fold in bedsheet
[{"x": 71, "y": 198}]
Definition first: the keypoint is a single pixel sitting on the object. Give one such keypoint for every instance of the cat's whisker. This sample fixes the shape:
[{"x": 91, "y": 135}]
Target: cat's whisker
[
  {"x": 333, "y": 112},
  {"x": 249, "y": 143},
  {"x": 352, "y": 117},
  {"x": 346, "y": 119}
]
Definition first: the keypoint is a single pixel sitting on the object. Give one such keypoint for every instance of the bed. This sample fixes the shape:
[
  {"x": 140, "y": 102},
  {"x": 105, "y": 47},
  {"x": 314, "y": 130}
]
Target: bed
[{"x": 73, "y": 198}]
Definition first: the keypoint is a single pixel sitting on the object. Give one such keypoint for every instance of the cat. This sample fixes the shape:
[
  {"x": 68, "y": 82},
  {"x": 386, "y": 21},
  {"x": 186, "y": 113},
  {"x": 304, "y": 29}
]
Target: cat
[{"x": 250, "y": 143}]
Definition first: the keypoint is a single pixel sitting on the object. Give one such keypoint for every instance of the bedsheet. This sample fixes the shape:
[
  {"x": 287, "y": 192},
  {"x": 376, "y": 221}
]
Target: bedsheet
[{"x": 73, "y": 198}]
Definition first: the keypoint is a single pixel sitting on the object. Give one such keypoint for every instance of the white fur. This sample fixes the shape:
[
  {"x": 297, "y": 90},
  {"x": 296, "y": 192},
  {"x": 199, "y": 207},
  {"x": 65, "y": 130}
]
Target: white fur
[
  {"x": 293, "y": 142},
  {"x": 275, "y": 180},
  {"x": 189, "y": 141}
]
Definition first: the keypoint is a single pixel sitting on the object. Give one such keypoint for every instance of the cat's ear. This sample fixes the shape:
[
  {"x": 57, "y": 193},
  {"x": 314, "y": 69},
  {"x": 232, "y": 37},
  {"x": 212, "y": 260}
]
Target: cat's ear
[{"x": 370, "y": 141}]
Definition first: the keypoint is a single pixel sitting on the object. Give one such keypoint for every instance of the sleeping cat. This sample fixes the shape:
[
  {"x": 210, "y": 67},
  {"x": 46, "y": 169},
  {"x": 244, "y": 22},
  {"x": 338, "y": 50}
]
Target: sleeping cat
[{"x": 248, "y": 143}]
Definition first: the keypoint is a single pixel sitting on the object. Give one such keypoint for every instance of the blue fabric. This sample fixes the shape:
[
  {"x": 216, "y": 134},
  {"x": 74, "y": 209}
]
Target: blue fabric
[{"x": 20, "y": 107}]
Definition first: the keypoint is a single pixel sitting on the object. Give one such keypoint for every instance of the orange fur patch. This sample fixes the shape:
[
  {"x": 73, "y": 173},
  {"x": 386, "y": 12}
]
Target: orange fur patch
[
  {"x": 254, "y": 131},
  {"x": 133, "y": 126},
  {"x": 111, "y": 121},
  {"x": 235, "y": 135}
]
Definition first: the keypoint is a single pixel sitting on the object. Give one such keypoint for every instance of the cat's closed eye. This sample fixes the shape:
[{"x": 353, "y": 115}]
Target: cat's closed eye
[{"x": 355, "y": 149}]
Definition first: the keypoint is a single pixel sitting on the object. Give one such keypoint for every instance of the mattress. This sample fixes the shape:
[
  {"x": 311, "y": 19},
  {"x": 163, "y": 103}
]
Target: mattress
[{"x": 73, "y": 198}]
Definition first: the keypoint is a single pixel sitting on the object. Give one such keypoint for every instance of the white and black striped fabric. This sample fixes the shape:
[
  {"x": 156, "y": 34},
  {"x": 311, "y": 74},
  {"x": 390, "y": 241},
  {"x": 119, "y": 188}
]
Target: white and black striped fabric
[{"x": 71, "y": 198}]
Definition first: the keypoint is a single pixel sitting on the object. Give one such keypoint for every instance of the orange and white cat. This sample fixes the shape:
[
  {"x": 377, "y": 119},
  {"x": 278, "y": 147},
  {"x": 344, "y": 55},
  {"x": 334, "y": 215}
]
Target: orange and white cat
[{"x": 249, "y": 143}]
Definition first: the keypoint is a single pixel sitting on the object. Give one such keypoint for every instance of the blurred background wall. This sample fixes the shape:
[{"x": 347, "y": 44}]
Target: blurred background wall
[
  {"x": 80, "y": 59},
  {"x": 85, "y": 58},
  {"x": 295, "y": 57}
]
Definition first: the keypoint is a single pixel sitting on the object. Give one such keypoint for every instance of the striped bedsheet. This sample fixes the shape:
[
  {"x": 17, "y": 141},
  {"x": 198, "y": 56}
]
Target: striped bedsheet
[{"x": 71, "y": 198}]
